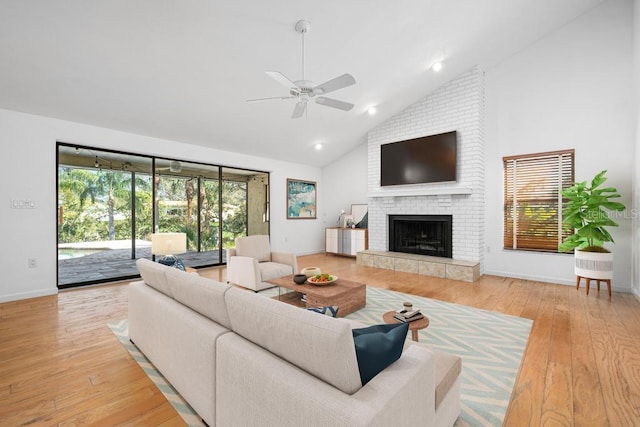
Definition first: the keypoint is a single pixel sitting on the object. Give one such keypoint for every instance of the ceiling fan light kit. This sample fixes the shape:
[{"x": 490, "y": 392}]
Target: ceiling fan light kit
[{"x": 305, "y": 90}]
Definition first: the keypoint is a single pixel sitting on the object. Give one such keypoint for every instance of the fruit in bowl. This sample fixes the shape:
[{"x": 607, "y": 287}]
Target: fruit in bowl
[{"x": 322, "y": 279}]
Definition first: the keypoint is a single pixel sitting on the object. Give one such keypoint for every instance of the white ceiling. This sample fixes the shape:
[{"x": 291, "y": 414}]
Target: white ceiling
[{"x": 182, "y": 70}]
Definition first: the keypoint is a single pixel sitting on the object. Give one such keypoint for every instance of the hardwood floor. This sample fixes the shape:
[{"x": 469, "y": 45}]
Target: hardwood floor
[{"x": 61, "y": 365}]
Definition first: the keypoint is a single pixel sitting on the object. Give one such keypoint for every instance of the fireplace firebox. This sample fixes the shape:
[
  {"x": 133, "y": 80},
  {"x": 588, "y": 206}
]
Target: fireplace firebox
[{"x": 421, "y": 234}]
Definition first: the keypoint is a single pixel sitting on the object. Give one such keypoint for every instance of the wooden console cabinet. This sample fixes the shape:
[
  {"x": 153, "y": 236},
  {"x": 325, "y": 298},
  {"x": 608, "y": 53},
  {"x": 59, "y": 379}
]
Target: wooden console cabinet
[{"x": 346, "y": 241}]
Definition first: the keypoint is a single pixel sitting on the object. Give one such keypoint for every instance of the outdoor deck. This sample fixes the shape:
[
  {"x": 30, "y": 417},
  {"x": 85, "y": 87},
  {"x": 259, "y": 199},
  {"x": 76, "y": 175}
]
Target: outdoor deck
[{"x": 112, "y": 264}]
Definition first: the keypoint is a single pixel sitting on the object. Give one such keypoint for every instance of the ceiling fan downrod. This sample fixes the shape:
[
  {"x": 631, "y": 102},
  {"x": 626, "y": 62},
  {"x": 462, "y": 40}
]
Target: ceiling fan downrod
[{"x": 302, "y": 26}]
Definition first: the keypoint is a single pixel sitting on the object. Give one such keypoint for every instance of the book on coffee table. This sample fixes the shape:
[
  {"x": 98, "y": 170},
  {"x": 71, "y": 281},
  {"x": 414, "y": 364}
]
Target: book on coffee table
[
  {"x": 408, "y": 319},
  {"x": 407, "y": 314}
]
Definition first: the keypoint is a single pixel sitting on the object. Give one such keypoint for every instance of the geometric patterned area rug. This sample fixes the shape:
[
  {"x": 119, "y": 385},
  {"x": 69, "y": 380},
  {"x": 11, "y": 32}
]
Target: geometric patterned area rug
[{"x": 490, "y": 344}]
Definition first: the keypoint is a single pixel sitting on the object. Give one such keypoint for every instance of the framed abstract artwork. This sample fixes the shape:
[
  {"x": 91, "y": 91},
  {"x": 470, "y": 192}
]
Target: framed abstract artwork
[{"x": 301, "y": 199}]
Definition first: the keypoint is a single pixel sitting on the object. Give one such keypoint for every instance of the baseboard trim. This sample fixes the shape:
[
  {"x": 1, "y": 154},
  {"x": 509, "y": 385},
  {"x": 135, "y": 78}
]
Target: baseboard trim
[
  {"x": 27, "y": 295},
  {"x": 553, "y": 280}
]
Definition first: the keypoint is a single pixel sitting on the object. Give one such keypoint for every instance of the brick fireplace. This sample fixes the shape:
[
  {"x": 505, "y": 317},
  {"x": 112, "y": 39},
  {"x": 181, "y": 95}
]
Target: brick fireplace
[{"x": 457, "y": 105}]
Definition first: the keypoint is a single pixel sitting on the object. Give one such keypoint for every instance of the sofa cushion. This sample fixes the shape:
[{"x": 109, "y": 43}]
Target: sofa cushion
[
  {"x": 203, "y": 295},
  {"x": 254, "y": 247},
  {"x": 153, "y": 275},
  {"x": 271, "y": 270},
  {"x": 448, "y": 368},
  {"x": 377, "y": 347},
  {"x": 319, "y": 345}
]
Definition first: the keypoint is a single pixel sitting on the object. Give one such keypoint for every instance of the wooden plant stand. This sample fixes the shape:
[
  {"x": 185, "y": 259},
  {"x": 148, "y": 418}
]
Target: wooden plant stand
[{"x": 588, "y": 279}]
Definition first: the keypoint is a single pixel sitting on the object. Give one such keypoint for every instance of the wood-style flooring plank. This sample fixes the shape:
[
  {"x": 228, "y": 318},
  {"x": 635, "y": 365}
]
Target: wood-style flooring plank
[
  {"x": 617, "y": 390},
  {"x": 557, "y": 405},
  {"x": 529, "y": 391},
  {"x": 588, "y": 401}
]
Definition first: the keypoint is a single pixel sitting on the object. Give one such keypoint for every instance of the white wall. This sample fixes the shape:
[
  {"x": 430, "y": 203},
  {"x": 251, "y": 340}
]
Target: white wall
[
  {"x": 570, "y": 89},
  {"x": 344, "y": 183},
  {"x": 636, "y": 181},
  {"x": 29, "y": 173}
]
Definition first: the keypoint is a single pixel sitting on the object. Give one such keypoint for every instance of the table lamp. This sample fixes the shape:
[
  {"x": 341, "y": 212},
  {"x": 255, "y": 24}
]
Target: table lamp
[{"x": 167, "y": 245}]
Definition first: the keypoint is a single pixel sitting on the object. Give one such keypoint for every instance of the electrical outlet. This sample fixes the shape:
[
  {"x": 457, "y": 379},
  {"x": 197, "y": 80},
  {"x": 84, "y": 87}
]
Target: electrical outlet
[
  {"x": 22, "y": 204},
  {"x": 32, "y": 263}
]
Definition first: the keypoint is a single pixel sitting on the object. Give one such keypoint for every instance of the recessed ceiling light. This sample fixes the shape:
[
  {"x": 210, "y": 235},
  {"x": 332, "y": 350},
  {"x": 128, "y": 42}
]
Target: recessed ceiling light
[
  {"x": 437, "y": 66},
  {"x": 371, "y": 111},
  {"x": 318, "y": 146}
]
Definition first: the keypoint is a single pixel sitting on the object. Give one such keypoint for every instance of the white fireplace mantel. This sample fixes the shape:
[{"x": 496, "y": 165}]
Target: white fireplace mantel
[{"x": 422, "y": 191}]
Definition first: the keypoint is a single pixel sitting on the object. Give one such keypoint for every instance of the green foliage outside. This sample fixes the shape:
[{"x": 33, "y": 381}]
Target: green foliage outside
[
  {"x": 95, "y": 205},
  {"x": 584, "y": 211}
]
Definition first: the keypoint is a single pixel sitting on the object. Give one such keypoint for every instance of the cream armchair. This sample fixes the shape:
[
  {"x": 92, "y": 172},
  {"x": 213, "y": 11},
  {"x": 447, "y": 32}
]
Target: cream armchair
[{"x": 251, "y": 263}]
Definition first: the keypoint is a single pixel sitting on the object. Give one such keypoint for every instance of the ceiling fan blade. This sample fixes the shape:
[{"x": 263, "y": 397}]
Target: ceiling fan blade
[
  {"x": 334, "y": 103},
  {"x": 299, "y": 110},
  {"x": 280, "y": 78},
  {"x": 267, "y": 99},
  {"x": 334, "y": 84}
]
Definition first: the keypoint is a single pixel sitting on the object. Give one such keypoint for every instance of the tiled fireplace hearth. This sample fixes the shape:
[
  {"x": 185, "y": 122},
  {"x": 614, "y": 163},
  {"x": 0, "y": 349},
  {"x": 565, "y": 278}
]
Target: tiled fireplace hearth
[{"x": 420, "y": 264}]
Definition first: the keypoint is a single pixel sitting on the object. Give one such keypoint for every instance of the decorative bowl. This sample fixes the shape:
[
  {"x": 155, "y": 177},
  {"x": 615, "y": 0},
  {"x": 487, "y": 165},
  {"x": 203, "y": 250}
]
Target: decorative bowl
[
  {"x": 311, "y": 271},
  {"x": 312, "y": 280},
  {"x": 300, "y": 278}
]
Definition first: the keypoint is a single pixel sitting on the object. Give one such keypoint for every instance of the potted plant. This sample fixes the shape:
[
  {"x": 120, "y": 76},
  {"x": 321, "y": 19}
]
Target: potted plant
[{"x": 585, "y": 212}]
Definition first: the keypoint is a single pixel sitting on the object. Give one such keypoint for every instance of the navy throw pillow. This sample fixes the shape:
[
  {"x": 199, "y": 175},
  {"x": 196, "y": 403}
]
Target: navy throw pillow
[
  {"x": 377, "y": 347},
  {"x": 330, "y": 310}
]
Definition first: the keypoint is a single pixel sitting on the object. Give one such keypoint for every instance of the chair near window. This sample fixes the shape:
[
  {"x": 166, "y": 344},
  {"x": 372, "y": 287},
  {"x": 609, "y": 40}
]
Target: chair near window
[{"x": 251, "y": 263}]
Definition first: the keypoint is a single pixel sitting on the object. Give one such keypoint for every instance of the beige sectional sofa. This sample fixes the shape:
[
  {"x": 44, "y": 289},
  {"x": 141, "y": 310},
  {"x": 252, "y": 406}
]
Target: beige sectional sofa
[{"x": 243, "y": 359}]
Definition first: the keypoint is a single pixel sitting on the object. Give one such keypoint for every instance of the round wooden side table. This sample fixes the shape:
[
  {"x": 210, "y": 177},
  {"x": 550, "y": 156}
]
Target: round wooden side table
[{"x": 414, "y": 326}]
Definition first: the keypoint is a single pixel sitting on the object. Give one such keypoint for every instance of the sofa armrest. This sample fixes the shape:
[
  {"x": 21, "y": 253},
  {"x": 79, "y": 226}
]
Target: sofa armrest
[
  {"x": 286, "y": 258},
  {"x": 243, "y": 271},
  {"x": 402, "y": 394}
]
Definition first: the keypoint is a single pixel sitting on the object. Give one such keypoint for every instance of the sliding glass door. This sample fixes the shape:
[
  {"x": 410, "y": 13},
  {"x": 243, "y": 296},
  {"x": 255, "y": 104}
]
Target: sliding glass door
[{"x": 111, "y": 202}]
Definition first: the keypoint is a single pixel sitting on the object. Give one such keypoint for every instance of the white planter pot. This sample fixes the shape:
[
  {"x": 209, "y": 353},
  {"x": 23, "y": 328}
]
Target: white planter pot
[{"x": 594, "y": 265}]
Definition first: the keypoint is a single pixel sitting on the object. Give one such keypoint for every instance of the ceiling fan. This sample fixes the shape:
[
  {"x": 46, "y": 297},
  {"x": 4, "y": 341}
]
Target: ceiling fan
[
  {"x": 305, "y": 90},
  {"x": 175, "y": 167}
]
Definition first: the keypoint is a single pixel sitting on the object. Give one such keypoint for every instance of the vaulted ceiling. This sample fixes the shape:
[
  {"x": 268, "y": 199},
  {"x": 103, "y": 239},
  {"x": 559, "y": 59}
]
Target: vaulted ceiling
[{"x": 183, "y": 70}]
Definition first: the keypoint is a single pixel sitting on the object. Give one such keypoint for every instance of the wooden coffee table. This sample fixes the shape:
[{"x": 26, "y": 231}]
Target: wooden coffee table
[
  {"x": 414, "y": 326},
  {"x": 347, "y": 295}
]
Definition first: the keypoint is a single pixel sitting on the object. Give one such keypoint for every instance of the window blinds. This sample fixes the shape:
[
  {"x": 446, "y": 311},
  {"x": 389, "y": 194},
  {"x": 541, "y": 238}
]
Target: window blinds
[{"x": 532, "y": 199}]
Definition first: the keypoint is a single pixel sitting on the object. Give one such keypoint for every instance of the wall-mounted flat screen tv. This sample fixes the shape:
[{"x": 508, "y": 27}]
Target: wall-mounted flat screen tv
[{"x": 420, "y": 160}]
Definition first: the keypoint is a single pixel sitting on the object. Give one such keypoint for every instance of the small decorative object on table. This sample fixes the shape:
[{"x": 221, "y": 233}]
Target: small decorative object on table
[
  {"x": 408, "y": 314},
  {"x": 300, "y": 278},
  {"x": 341, "y": 218},
  {"x": 311, "y": 271},
  {"x": 322, "y": 279}
]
